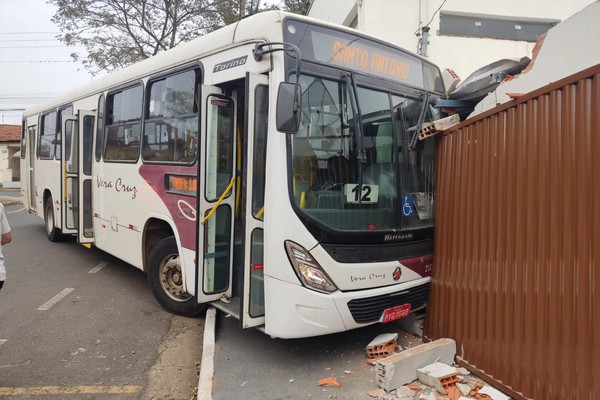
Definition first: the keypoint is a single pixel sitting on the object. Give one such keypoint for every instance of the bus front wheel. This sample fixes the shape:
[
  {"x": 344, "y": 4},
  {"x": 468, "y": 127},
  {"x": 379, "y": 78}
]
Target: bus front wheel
[
  {"x": 165, "y": 277},
  {"x": 52, "y": 232}
]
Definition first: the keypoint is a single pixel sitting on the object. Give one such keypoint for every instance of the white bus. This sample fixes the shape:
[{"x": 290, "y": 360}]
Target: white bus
[{"x": 270, "y": 168}]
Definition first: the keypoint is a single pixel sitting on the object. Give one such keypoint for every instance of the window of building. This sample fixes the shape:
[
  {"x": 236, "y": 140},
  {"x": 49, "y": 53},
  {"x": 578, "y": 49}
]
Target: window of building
[{"x": 493, "y": 26}]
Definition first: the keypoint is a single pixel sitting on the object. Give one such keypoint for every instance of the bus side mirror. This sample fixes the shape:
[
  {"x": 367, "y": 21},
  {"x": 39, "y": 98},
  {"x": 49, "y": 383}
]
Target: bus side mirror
[{"x": 289, "y": 106}]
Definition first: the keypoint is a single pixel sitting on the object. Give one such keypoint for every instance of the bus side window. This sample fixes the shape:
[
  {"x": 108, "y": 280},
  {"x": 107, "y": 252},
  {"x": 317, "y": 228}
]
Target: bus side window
[
  {"x": 67, "y": 111},
  {"x": 100, "y": 129},
  {"x": 47, "y": 136},
  {"x": 261, "y": 102},
  {"x": 123, "y": 124},
  {"x": 171, "y": 127}
]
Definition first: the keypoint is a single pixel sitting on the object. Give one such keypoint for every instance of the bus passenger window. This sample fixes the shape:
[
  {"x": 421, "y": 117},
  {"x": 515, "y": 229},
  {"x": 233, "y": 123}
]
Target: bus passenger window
[
  {"x": 47, "y": 139},
  {"x": 171, "y": 128},
  {"x": 63, "y": 112},
  {"x": 219, "y": 146},
  {"x": 122, "y": 134},
  {"x": 261, "y": 104},
  {"x": 100, "y": 129}
]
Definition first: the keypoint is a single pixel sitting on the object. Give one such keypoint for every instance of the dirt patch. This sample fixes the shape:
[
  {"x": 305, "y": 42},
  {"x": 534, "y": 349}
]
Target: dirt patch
[{"x": 174, "y": 376}]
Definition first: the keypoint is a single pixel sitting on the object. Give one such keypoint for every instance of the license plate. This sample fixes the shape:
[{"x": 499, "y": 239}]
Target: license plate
[{"x": 392, "y": 314}]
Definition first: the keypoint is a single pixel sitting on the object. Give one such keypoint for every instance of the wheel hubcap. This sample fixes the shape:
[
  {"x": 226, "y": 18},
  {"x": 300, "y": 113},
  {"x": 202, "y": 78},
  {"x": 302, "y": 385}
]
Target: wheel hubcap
[{"x": 171, "y": 279}]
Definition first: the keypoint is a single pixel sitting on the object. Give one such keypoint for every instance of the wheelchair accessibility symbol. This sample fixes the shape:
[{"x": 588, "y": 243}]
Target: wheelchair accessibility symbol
[{"x": 407, "y": 206}]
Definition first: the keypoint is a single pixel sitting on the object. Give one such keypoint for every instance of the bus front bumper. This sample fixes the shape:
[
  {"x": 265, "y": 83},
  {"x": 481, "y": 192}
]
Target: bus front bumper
[{"x": 292, "y": 311}]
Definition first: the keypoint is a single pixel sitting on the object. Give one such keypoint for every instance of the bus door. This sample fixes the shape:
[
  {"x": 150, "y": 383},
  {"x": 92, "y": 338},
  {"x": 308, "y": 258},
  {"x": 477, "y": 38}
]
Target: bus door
[
  {"x": 216, "y": 196},
  {"x": 86, "y": 124},
  {"x": 256, "y": 115},
  {"x": 77, "y": 139},
  {"x": 28, "y": 172},
  {"x": 69, "y": 175}
]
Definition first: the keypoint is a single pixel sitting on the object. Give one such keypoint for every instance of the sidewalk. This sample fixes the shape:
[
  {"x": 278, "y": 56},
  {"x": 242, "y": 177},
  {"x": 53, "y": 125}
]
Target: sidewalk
[{"x": 10, "y": 200}]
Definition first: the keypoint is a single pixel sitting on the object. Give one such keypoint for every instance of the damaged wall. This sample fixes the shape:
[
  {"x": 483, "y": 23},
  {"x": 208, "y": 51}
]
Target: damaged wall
[{"x": 515, "y": 278}]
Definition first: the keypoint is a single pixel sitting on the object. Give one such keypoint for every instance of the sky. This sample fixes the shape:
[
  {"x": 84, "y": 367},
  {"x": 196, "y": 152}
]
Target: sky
[{"x": 34, "y": 65}]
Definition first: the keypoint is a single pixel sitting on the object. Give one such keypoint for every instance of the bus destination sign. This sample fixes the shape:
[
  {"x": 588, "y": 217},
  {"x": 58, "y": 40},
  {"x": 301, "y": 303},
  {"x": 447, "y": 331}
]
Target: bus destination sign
[
  {"x": 330, "y": 46},
  {"x": 360, "y": 57}
]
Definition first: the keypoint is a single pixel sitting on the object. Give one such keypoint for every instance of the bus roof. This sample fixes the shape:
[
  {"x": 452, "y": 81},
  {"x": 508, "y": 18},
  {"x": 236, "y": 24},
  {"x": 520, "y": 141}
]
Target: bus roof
[{"x": 262, "y": 27}]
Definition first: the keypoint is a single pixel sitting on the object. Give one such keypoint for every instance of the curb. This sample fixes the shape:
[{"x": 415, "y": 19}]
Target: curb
[{"x": 208, "y": 356}]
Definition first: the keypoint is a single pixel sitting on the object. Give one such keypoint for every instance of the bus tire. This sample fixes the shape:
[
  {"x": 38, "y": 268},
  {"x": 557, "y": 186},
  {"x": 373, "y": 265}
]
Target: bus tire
[
  {"x": 52, "y": 232},
  {"x": 166, "y": 280}
]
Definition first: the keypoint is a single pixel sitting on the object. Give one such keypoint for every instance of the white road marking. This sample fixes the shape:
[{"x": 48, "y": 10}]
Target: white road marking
[
  {"x": 59, "y": 390},
  {"x": 2, "y": 341},
  {"x": 55, "y": 299},
  {"x": 98, "y": 267},
  {"x": 14, "y": 211}
]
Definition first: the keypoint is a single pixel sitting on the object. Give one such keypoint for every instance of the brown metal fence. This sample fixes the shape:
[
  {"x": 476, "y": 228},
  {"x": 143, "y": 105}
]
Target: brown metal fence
[{"x": 516, "y": 278}]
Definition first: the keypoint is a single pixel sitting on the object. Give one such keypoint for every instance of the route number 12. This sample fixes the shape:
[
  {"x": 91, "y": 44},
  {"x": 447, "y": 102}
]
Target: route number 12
[{"x": 368, "y": 194}]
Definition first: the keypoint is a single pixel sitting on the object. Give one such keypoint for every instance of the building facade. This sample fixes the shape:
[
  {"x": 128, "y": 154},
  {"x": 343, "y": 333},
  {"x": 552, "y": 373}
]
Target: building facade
[{"x": 10, "y": 136}]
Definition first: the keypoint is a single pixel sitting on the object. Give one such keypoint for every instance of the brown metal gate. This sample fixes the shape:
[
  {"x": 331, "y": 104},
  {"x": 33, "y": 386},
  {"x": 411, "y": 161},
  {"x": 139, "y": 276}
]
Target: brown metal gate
[{"x": 516, "y": 278}]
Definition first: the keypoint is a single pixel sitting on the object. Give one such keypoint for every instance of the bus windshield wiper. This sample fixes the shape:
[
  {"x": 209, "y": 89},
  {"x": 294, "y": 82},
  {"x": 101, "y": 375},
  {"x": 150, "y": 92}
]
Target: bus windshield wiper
[
  {"x": 357, "y": 120},
  {"x": 415, "y": 129},
  {"x": 361, "y": 155}
]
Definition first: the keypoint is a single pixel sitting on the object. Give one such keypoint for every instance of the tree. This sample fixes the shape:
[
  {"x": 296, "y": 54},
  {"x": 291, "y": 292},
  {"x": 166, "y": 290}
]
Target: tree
[
  {"x": 234, "y": 10},
  {"x": 117, "y": 33},
  {"x": 297, "y": 6}
]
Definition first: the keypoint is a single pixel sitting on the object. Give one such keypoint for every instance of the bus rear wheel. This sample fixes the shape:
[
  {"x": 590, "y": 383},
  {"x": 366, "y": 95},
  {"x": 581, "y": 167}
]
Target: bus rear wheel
[
  {"x": 52, "y": 232},
  {"x": 165, "y": 277}
]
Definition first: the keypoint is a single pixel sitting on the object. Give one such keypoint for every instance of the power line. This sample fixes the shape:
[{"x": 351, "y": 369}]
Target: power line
[
  {"x": 28, "y": 40},
  {"x": 9, "y": 96},
  {"x": 35, "y": 47},
  {"x": 27, "y": 33},
  {"x": 35, "y": 61}
]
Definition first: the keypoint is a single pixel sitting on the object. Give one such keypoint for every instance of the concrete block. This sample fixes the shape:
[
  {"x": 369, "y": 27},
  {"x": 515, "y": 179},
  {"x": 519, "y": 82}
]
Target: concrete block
[
  {"x": 382, "y": 346},
  {"x": 437, "y": 126},
  {"x": 399, "y": 369},
  {"x": 439, "y": 376}
]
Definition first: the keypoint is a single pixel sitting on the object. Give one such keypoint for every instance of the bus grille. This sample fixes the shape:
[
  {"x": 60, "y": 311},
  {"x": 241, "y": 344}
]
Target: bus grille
[
  {"x": 370, "y": 309},
  {"x": 378, "y": 253}
]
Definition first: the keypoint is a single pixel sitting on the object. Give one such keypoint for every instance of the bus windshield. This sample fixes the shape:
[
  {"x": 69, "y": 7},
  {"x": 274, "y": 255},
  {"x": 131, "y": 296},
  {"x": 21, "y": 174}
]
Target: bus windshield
[{"x": 374, "y": 178}]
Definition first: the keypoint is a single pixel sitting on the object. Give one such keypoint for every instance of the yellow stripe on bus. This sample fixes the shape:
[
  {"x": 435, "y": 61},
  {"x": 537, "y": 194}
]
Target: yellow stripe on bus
[{"x": 54, "y": 390}]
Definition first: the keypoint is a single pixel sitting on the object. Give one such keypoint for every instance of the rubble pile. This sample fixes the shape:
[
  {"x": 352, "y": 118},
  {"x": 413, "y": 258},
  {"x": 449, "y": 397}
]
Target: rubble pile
[
  {"x": 424, "y": 372},
  {"x": 459, "y": 385}
]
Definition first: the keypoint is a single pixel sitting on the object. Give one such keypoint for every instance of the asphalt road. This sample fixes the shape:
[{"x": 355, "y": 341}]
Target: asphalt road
[
  {"x": 108, "y": 334},
  {"x": 80, "y": 324},
  {"x": 250, "y": 365}
]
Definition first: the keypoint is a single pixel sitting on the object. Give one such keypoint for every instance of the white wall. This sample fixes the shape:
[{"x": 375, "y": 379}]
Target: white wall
[
  {"x": 397, "y": 21},
  {"x": 9, "y": 166}
]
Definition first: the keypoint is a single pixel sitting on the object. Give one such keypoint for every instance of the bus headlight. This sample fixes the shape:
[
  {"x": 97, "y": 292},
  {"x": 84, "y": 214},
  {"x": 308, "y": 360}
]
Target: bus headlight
[{"x": 308, "y": 270}]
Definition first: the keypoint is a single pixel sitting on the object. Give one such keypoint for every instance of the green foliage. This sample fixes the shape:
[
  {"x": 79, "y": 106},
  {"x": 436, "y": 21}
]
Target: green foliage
[
  {"x": 117, "y": 33},
  {"x": 297, "y": 6}
]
